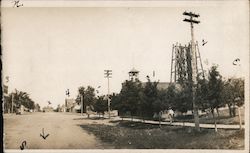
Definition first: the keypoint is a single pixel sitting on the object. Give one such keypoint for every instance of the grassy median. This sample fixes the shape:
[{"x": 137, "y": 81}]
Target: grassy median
[{"x": 137, "y": 135}]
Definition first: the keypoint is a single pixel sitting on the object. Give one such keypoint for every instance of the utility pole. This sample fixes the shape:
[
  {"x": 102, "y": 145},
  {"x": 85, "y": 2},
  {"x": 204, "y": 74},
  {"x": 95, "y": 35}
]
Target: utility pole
[
  {"x": 12, "y": 101},
  {"x": 107, "y": 74},
  {"x": 194, "y": 65},
  {"x": 66, "y": 102},
  {"x": 81, "y": 104}
]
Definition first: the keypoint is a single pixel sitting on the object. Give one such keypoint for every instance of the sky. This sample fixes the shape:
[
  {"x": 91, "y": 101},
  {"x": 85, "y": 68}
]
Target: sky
[{"x": 47, "y": 50}]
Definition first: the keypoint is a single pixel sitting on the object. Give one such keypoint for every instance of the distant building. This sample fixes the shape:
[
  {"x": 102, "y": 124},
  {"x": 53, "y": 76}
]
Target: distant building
[
  {"x": 62, "y": 108},
  {"x": 72, "y": 106},
  {"x": 48, "y": 109},
  {"x": 37, "y": 108},
  {"x": 77, "y": 108},
  {"x": 21, "y": 110},
  {"x": 160, "y": 85},
  {"x": 69, "y": 104},
  {"x": 133, "y": 74}
]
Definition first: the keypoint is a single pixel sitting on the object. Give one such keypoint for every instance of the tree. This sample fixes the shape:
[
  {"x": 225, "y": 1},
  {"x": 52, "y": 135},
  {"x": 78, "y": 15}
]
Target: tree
[
  {"x": 58, "y": 108},
  {"x": 202, "y": 94},
  {"x": 149, "y": 97},
  {"x": 80, "y": 95},
  {"x": 130, "y": 96},
  {"x": 238, "y": 86},
  {"x": 37, "y": 107},
  {"x": 215, "y": 86},
  {"x": 170, "y": 97},
  {"x": 115, "y": 103},
  {"x": 20, "y": 98},
  {"x": 87, "y": 95},
  {"x": 101, "y": 105},
  {"x": 233, "y": 94}
]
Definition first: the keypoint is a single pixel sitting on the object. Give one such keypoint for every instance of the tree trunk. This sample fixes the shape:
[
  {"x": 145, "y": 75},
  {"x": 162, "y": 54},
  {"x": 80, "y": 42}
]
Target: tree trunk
[
  {"x": 230, "y": 110},
  {"x": 217, "y": 110},
  {"x": 234, "y": 110},
  {"x": 240, "y": 117},
  {"x": 215, "y": 124},
  {"x": 159, "y": 120}
]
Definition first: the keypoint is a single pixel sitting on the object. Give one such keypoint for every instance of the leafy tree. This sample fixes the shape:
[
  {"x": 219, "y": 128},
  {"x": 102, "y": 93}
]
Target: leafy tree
[
  {"x": 202, "y": 94},
  {"x": 101, "y": 105},
  {"x": 215, "y": 86},
  {"x": 88, "y": 96},
  {"x": 115, "y": 103},
  {"x": 233, "y": 94},
  {"x": 130, "y": 96},
  {"x": 58, "y": 108},
  {"x": 20, "y": 98},
  {"x": 170, "y": 97},
  {"x": 80, "y": 96},
  {"x": 37, "y": 106},
  {"x": 238, "y": 86},
  {"x": 183, "y": 99},
  {"x": 149, "y": 97}
]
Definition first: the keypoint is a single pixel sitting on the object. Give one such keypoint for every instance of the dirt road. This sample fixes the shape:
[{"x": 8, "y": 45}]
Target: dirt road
[{"x": 63, "y": 129}]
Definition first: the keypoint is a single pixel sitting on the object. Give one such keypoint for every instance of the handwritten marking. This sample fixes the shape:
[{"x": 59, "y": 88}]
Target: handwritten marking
[
  {"x": 23, "y": 145},
  {"x": 43, "y": 136},
  {"x": 236, "y": 61},
  {"x": 16, "y": 3},
  {"x": 203, "y": 42}
]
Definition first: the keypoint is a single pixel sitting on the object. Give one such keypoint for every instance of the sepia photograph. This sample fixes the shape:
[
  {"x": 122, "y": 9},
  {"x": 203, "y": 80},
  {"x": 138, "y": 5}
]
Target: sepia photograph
[{"x": 167, "y": 76}]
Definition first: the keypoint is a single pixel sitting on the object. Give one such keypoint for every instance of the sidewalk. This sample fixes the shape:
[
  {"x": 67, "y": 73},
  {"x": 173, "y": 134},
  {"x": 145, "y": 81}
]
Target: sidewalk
[{"x": 188, "y": 124}]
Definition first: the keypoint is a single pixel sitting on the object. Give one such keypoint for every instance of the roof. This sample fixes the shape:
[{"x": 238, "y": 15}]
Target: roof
[
  {"x": 77, "y": 107},
  {"x": 133, "y": 70},
  {"x": 163, "y": 85}
]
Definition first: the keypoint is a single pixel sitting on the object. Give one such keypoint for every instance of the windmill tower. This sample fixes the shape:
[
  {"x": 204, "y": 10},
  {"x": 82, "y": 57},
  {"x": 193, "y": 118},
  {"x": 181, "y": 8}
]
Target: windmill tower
[
  {"x": 181, "y": 63},
  {"x": 185, "y": 64}
]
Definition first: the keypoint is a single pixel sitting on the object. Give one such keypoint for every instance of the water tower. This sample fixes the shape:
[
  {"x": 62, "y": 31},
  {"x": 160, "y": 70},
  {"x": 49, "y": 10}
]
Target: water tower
[{"x": 133, "y": 74}]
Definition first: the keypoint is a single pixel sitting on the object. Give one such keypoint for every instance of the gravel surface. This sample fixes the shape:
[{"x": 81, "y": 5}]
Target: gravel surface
[{"x": 63, "y": 129}]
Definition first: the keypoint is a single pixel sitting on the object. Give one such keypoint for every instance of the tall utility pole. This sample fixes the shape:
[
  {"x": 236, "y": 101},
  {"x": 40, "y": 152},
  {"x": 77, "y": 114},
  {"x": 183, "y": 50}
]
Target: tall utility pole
[
  {"x": 107, "y": 74},
  {"x": 81, "y": 104},
  {"x": 194, "y": 65},
  {"x": 12, "y": 102}
]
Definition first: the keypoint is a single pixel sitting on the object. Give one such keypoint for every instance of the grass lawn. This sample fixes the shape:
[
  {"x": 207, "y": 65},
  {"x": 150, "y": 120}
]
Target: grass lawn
[
  {"x": 137, "y": 135},
  {"x": 224, "y": 118}
]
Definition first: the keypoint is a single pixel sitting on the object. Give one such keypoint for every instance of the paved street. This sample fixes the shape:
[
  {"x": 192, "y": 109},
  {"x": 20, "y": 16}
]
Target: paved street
[{"x": 63, "y": 129}]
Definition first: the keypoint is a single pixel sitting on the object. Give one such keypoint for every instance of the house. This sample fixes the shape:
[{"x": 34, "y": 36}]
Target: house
[
  {"x": 62, "y": 108},
  {"x": 164, "y": 85},
  {"x": 48, "y": 109},
  {"x": 72, "y": 106},
  {"x": 69, "y": 104}
]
